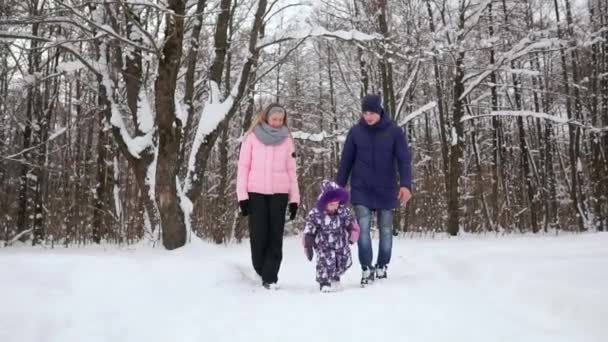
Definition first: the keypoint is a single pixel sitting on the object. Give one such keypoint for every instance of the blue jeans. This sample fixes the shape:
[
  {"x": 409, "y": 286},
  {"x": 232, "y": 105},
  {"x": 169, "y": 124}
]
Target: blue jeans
[{"x": 385, "y": 225}]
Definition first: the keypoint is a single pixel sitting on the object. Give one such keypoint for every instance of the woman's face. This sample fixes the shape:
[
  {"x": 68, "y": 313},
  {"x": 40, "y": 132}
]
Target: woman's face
[{"x": 276, "y": 120}]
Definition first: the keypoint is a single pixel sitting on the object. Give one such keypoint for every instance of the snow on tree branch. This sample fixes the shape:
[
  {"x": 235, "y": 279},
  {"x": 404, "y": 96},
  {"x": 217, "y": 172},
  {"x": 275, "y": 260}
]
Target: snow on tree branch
[
  {"x": 134, "y": 145},
  {"x": 317, "y": 32},
  {"x": 52, "y": 137},
  {"x": 318, "y": 137},
  {"x": 418, "y": 112},
  {"x": 9, "y": 37},
  {"x": 407, "y": 87},
  {"x": 214, "y": 111},
  {"x": 523, "y": 113},
  {"x": 543, "y": 116},
  {"x": 522, "y": 48}
]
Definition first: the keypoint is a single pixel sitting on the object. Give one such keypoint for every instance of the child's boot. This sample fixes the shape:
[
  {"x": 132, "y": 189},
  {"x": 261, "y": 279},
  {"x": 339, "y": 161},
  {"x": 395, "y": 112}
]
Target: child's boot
[
  {"x": 325, "y": 287},
  {"x": 336, "y": 285}
]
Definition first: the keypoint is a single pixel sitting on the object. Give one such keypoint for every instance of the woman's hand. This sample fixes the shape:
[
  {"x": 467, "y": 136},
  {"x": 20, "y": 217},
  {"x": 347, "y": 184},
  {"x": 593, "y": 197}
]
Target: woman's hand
[
  {"x": 293, "y": 210},
  {"x": 244, "y": 204}
]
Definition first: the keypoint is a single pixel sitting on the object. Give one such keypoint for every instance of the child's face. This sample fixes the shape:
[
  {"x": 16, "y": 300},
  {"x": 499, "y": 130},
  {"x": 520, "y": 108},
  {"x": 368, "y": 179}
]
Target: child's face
[{"x": 333, "y": 206}]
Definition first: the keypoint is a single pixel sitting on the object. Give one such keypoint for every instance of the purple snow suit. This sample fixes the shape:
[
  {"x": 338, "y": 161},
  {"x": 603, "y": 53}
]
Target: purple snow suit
[{"x": 329, "y": 234}]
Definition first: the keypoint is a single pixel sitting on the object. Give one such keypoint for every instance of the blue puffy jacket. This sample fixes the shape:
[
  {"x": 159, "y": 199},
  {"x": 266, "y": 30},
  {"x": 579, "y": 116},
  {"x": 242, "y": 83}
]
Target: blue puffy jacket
[{"x": 372, "y": 157}]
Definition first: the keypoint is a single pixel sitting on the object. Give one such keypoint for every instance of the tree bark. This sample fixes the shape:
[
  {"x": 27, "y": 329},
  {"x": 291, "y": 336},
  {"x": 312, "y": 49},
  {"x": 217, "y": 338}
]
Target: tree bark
[
  {"x": 169, "y": 129},
  {"x": 572, "y": 129}
]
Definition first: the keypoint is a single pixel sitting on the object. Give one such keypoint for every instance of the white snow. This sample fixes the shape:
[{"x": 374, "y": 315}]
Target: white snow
[
  {"x": 152, "y": 233},
  {"x": 145, "y": 114},
  {"x": 57, "y": 133},
  {"x": 317, "y": 137},
  {"x": 187, "y": 207},
  {"x": 469, "y": 288},
  {"x": 180, "y": 112},
  {"x": 116, "y": 189},
  {"x": 70, "y": 66},
  {"x": 214, "y": 112},
  {"x": 338, "y": 135}
]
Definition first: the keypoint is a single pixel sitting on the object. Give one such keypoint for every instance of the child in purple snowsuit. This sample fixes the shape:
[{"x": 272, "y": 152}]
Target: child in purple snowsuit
[{"x": 329, "y": 229}]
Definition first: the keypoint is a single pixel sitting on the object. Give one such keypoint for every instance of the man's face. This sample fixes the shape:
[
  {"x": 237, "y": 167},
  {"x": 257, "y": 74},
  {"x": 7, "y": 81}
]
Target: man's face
[{"x": 371, "y": 118}]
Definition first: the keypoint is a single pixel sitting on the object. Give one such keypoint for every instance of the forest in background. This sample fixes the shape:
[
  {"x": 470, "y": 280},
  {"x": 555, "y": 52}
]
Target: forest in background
[{"x": 121, "y": 120}]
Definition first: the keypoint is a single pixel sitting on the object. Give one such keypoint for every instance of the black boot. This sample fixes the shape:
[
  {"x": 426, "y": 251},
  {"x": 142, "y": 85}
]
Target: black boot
[
  {"x": 367, "y": 277},
  {"x": 381, "y": 272}
]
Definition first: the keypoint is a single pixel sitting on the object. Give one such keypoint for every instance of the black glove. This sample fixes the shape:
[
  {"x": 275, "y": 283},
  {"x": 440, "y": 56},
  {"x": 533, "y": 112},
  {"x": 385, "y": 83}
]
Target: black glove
[
  {"x": 244, "y": 204},
  {"x": 293, "y": 210}
]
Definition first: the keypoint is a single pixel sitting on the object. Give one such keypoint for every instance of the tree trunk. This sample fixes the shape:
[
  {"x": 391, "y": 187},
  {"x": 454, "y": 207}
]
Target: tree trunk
[
  {"x": 604, "y": 91},
  {"x": 190, "y": 77},
  {"x": 457, "y": 145},
  {"x": 362, "y": 64},
  {"x": 480, "y": 190},
  {"x": 578, "y": 115},
  {"x": 572, "y": 129},
  {"x": 496, "y": 138},
  {"x": 440, "y": 101},
  {"x": 595, "y": 137},
  {"x": 169, "y": 130},
  {"x": 25, "y": 199},
  {"x": 386, "y": 67},
  {"x": 102, "y": 187}
]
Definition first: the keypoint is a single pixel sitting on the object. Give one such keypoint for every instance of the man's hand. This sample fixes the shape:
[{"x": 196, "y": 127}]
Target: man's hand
[{"x": 404, "y": 195}]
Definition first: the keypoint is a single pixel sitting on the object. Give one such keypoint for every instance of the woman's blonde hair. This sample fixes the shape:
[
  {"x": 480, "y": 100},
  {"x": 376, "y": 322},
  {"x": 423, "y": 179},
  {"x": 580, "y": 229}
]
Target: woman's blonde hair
[{"x": 263, "y": 117}]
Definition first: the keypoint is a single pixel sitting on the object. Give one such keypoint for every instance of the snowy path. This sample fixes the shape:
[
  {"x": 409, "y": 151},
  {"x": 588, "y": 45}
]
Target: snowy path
[{"x": 464, "y": 289}]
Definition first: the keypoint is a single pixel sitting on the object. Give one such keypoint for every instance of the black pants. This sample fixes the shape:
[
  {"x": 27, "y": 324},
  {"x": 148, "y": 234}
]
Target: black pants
[{"x": 266, "y": 226}]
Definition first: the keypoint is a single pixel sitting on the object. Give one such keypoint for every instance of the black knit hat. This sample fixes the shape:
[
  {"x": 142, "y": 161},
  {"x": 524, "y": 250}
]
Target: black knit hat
[{"x": 372, "y": 103}]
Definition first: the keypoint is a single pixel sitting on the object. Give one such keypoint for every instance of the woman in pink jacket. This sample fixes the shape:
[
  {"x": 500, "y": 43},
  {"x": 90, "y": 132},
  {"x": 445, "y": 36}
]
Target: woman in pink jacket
[{"x": 266, "y": 182}]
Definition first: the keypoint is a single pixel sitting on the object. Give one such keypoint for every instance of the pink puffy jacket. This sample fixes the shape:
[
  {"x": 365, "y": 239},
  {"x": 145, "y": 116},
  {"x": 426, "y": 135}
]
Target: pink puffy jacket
[{"x": 267, "y": 169}]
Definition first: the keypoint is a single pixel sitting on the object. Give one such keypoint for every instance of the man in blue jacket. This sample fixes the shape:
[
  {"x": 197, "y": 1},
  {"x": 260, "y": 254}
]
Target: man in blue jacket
[{"x": 374, "y": 152}]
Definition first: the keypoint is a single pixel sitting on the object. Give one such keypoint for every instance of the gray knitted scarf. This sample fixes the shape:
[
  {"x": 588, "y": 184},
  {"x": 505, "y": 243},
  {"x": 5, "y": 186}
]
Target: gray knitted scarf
[{"x": 269, "y": 135}]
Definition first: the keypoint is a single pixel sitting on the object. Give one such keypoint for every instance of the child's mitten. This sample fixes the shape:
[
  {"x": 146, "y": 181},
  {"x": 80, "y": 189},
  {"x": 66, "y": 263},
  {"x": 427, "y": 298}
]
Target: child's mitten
[{"x": 308, "y": 243}]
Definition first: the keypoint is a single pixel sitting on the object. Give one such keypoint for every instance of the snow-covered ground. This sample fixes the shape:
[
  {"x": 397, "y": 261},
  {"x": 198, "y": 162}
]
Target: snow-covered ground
[{"x": 516, "y": 288}]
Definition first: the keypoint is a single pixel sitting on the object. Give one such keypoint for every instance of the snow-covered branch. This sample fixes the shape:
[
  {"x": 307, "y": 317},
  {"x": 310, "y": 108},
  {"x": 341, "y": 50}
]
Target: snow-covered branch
[
  {"x": 406, "y": 88},
  {"x": 214, "y": 111},
  {"x": 353, "y": 35},
  {"x": 418, "y": 112},
  {"x": 52, "y": 137},
  {"x": 318, "y": 137},
  {"x": 109, "y": 31},
  {"x": 537, "y": 115},
  {"x": 6, "y": 36},
  {"x": 524, "y": 47}
]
